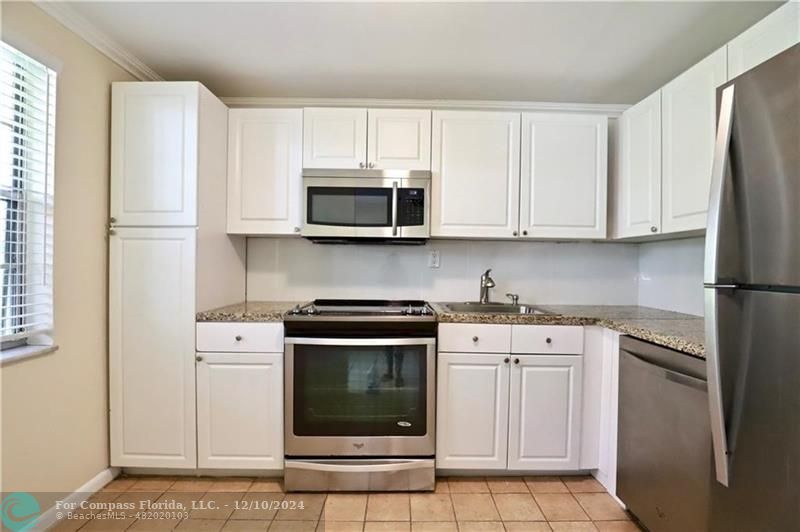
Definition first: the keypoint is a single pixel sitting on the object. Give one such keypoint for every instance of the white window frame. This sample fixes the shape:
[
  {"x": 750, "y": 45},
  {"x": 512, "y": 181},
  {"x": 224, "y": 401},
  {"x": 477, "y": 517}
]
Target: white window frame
[{"x": 27, "y": 141}]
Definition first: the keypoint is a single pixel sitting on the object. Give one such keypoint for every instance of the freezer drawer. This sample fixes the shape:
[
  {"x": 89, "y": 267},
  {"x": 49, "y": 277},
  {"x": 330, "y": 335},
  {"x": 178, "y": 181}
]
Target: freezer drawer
[{"x": 664, "y": 450}]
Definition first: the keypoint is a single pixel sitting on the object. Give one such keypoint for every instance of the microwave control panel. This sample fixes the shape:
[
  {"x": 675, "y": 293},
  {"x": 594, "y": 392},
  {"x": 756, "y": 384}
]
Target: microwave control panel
[{"x": 410, "y": 206}]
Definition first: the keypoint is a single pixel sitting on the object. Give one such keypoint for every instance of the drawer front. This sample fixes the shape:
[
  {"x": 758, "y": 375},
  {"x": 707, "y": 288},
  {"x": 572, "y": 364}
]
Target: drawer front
[
  {"x": 240, "y": 337},
  {"x": 474, "y": 338},
  {"x": 547, "y": 339}
]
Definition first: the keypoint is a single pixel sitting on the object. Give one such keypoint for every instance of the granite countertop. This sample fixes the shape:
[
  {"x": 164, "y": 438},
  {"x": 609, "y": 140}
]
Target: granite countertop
[
  {"x": 249, "y": 311},
  {"x": 682, "y": 332}
]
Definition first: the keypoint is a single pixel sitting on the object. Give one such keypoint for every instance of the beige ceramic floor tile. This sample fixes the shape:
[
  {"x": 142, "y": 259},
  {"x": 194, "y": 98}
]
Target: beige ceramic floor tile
[
  {"x": 467, "y": 485},
  {"x": 601, "y": 507},
  {"x": 546, "y": 485},
  {"x": 69, "y": 525},
  {"x": 120, "y": 484},
  {"x": 215, "y": 506},
  {"x": 344, "y": 507},
  {"x": 431, "y": 507},
  {"x": 205, "y": 525},
  {"x": 573, "y": 526},
  {"x": 311, "y": 503},
  {"x": 387, "y": 526},
  {"x": 105, "y": 496},
  {"x": 246, "y": 526},
  {"x": 268, "y": 485},
  {"x": 388, "y": 507},
  {"x": 527, "y": 526},
  {"x": 258, "y": 506},
  {"x": 474, "y": 507},
  {"x": 507, "y": 485},
  {"x": 442, "y": 486},
  {"x": 583, "y": 484},
  {"x": 560, "y": 507},
  {"x": 441, "y": 526},
  {"x": 340, "y": 526},
  {"x": 154, "y": 525},
  {"x": 517, "y": 507},
  {"x": 98, "y": 523},
  {"x": 480, "y": 526},
  {"x": 193, "y": 485},
  {"x": 153, "y": 484},
  {"x": 180, "y": 501},
  {"x": 616, "y": 526},
  {"x": 293, "y": 526},
  {"x": 222, "y": 485}
]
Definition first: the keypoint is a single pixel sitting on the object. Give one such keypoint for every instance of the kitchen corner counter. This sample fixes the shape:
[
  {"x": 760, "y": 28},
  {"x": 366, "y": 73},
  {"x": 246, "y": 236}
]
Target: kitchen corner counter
[
  {"x": 682, "y": 332},
  {"x": 252, "y": 311}
]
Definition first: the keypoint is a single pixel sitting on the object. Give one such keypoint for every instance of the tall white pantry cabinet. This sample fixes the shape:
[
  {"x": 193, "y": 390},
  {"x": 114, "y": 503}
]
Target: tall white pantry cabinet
[{"x": 169, "y": 257}]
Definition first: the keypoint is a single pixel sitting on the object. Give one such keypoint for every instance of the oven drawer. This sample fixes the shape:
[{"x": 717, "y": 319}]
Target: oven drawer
[
  {"x": 546, "y": 339},
  {"x": 474, "y": 338},
  {"x": 238, "y": 337}
]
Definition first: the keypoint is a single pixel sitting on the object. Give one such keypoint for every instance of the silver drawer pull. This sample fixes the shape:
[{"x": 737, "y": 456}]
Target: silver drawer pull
[
  {"x": 549, "y": 340},
  {"x": 474, "y": 338},
  {"x": 238, "y": 338}
]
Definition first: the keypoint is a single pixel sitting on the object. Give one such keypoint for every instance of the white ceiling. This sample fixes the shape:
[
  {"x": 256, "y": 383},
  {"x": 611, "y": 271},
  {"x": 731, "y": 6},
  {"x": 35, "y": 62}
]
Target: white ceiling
[{"x": 610, "y": 52}]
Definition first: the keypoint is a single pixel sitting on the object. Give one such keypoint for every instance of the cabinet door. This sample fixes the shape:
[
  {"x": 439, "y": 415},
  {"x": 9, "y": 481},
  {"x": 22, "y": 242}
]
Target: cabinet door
[
  {"x": 471, "y": 411},
  {"x": 240, "y": 410},
  {"x": 154, "y": 153},
  {"x": 399, "y": 139},
  {"x": 151, "y": 347},
  {"x": 689, "y": 127},
  {"x": 767, "y": 38},
  {"x": 564, "y": 170},
  {"x": 265, "y": 154},
  {"x": 638, "y": 194},
  {"x": 334, "y": 137},
  {"x": 544, "y": 430},
  {"x": 475, "y": 165}
]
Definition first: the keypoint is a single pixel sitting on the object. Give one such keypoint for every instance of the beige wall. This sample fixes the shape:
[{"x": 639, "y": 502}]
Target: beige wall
[{"x": 55, "y": 407}]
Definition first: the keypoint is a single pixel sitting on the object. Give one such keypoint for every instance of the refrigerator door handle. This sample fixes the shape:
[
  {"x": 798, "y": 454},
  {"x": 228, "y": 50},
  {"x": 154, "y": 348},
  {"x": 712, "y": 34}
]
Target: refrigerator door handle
[
  {"x": 717, "y": 191},
  {"x": 719, "y": 434}
]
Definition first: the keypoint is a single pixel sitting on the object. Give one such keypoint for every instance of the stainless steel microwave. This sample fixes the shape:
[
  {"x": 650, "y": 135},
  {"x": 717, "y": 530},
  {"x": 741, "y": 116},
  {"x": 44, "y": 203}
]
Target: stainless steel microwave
[{"x": 366, "y": 205}]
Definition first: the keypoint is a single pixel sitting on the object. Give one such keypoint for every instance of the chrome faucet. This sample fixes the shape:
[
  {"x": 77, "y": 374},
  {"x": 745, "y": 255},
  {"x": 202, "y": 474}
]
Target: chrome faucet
[{"x": 486, "y": 283}]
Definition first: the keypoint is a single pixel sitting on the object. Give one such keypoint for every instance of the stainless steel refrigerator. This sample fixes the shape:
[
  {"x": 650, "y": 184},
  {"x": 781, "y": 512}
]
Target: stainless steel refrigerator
[{"x": 752, "y": 298}]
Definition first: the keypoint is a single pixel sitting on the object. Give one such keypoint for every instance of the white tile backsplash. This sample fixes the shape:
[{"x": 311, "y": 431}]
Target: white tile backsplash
[
  {"x": 671, "y": 275},
  {"x": 541, "y": 272}
]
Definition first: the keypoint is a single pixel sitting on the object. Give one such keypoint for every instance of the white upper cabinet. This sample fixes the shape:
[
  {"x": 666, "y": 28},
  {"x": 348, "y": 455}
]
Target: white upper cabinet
[
  {"x": 240, "y": 410},
  {"x": 472, "y": 411},
  {"x": 265, "y": 151},
  {"x": 688, "y": 106},
  {"x": 334, "y": 137},
  {"x": 154, "y": 138},
  {"x": 475, "y": 165},
  {"x": 773, "y": 34},
  {"x": 151, "y": 347},
  {"x": 399, "y": 139},
  {"x": 544, "y": 428},
  {"x": 564, "y": 169},
  {"x": 638, "y": 191}
]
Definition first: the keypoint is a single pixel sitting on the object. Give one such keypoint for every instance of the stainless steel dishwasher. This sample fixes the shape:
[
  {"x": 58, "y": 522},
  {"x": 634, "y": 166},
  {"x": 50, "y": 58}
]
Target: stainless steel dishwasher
[{"x": 664, "y": 446}]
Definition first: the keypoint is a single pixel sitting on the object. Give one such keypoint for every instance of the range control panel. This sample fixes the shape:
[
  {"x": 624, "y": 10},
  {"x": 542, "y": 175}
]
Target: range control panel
[{"x": 410, "y": 206}]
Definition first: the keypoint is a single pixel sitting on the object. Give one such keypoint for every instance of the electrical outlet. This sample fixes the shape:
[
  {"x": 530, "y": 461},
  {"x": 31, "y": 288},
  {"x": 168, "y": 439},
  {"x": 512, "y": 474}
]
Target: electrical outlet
[{"x": 433, "y": 258}]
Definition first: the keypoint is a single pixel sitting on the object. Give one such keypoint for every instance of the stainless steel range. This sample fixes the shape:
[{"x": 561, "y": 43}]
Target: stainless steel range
[{"x": 360, "y": 396}]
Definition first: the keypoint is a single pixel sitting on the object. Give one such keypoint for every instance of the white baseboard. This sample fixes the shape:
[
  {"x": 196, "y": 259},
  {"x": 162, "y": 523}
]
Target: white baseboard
[{"x": 95, "y": 484}]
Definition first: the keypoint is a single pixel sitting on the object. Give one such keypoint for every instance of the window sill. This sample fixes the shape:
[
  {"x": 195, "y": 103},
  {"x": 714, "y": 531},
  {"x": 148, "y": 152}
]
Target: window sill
[{"x": 24, "y": 352}]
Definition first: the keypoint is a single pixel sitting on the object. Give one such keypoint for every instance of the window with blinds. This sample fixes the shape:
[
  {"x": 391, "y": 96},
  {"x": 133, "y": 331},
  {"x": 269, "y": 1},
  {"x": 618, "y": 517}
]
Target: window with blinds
[{"x": 27, "y": 133}]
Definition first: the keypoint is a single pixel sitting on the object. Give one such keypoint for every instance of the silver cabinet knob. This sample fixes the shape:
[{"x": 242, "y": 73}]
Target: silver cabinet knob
[
  {"x": 296, "y": 229},
  {"x": 198, "y": 358},
  {"x": 514, "y": 233},
  {"x": 524, "y": 233},
  {"x": 112, "y": 220},
  {"x": 238, "y": 338},
  {"x": 112, "y": 232},
  {"x": 516, "y": 361},
  {"x": 506, "y": 360},
  {"x": 654, "y": 229},
  {"x": 474, "y": 338},
  {"x": 372, "y": 165},
  {"x": 549, "y": 340},
  {"x": 361, "y": 165}
]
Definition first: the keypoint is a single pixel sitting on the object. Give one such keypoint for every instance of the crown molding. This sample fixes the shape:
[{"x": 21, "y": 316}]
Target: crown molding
[
  {"x": 485, "y": 105},
  {"x": 75, "y": 22}
]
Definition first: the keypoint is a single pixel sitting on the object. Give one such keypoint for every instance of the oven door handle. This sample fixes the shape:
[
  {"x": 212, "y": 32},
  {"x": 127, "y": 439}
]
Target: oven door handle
[
  {"x": 366, "y": 467},
  {"x": 360, "y": 341}
]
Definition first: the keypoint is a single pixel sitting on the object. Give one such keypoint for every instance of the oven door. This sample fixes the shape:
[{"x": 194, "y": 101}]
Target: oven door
[
  {"x": 352, "y": 397},
  {"x": 365, "y": 207}
]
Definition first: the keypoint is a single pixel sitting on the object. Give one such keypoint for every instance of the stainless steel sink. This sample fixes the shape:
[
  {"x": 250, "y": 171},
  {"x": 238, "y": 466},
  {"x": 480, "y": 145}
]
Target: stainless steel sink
[{"x": 493, "y": 308}]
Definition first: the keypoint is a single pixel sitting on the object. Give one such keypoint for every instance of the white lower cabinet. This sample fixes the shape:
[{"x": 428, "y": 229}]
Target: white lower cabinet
[
  {"x": 240, "y": 410},
  {"x": 544, "y": 425},
  {"x": 472, "y": 411},
  {"x": 509, "y": 411}
]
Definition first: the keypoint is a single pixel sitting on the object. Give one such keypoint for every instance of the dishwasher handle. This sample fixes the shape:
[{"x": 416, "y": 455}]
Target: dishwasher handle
[{"x": 669, "y": 374}]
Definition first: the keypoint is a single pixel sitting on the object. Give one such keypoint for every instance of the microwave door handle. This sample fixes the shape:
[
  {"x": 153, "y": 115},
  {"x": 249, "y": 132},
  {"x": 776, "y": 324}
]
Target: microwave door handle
[{"x": 394, "y": 208}]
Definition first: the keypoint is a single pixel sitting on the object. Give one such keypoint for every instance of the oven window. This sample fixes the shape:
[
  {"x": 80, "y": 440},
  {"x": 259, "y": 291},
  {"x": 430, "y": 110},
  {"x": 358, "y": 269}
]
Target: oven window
[
  {"x": 349, "y": 206},
  {"x": 359, "y": 390}
]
